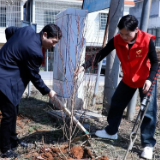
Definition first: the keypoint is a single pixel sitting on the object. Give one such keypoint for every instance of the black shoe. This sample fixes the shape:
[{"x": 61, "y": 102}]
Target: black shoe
[
  {"x": 10, "y": 154},
  {"x": 17, "y": 143}
]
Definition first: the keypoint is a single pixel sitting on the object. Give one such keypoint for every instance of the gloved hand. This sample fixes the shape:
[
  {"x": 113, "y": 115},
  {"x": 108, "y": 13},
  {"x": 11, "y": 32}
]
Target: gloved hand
[{"x": 146, "y": 86}]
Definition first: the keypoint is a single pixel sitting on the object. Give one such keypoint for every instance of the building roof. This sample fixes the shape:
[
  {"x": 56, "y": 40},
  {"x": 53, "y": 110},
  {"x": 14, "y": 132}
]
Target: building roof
[
  {"x": 129, "y": 2},
  {"x": 126, "y": 2}
]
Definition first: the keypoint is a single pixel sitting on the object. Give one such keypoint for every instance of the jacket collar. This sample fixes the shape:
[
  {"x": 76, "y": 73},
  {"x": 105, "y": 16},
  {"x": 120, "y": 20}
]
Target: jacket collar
[{"x": 138, "y": 41}]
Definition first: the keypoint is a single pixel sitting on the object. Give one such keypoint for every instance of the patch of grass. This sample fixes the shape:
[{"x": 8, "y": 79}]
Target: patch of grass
[
  {"x": 34, "y": 108},
  {"x": 30, "y": 130},
  {"x": 34, "y": 128}
]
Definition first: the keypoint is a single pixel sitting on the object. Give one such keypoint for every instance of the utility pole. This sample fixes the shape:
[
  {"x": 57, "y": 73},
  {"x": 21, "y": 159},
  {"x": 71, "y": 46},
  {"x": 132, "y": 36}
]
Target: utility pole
[
  {"x": 112, "y": 65},
  {"x": 100, "y": 63},
  {"x": 145, "y": 15}
]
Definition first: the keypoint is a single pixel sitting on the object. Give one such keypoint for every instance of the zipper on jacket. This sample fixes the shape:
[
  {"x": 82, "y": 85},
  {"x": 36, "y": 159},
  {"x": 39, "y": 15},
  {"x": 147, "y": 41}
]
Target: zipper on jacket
[
  {"x": 130, "y": 79},
  {"x": 128, "y": 53}
]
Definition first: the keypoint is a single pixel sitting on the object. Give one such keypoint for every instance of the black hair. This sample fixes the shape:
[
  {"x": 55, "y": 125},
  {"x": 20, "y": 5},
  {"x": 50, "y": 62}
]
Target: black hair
[
  {"x": 52, "y": 30},
  {"x": 128, "y": 22}
]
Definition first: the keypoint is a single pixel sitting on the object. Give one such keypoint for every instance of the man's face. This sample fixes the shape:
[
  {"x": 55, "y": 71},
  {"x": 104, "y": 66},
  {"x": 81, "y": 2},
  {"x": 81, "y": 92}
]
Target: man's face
[
  {"x": 48, "y": 43},
  {"x": 127, "y": 35}
]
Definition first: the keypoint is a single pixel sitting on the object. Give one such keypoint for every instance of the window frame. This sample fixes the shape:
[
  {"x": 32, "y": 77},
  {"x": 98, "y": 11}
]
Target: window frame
[
  {"x": 104, "y": 20},
  {"x": 3, "y": 16},
  {"x": 155, "y": 31}
]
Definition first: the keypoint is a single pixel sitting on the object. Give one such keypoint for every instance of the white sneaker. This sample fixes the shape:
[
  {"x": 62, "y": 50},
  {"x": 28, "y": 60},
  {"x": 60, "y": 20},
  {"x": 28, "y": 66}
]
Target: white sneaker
[
  {"x": 147, "y": 152},
  {"x": 104, "y": 134}
]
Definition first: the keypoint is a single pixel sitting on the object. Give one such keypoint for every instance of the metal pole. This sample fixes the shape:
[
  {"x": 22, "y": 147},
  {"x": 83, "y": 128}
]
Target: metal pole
[
  {"x": 33, "y": 11},
  {"x": 29, "y": 89},
  {"x": 112, "y": 65},
  {"x": 31, "y": 19},
  {"x": 22, "y": 10},
  {"x": 82, "y": 4},
  {"x": 143, "y": 26},
  {"x": 131, "y": 106},
  {"x": 30, "y": 11},
  {"x": 100, "y": 63},
  {"x": 145, "y": 15}
]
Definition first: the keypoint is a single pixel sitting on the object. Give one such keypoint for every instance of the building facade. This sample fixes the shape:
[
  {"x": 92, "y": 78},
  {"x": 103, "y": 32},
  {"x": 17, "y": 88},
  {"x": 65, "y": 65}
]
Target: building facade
[
  {"x": 42, "y": 12},
  {"x": 154, "y": 19},
  {"x": 11, "y": 13}
]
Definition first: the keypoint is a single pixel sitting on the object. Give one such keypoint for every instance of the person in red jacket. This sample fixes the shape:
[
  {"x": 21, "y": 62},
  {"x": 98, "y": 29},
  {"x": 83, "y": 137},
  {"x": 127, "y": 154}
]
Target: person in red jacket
[{"x": 136, "y": 52}]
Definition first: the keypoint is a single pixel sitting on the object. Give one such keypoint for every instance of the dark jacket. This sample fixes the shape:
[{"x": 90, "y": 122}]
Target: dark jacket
[{"x": 20, "y": 59}]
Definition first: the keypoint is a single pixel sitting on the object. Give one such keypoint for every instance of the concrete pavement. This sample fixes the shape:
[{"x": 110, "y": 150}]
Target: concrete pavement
[{"x": 48, "y": 78}]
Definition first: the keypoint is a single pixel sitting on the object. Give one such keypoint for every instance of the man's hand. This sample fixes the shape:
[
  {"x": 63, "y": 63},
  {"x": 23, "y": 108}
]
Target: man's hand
[
  {"x": 78, "y": 70},
  {"x": 146, "y": 86},
  {"x": 52, "y": 94}
]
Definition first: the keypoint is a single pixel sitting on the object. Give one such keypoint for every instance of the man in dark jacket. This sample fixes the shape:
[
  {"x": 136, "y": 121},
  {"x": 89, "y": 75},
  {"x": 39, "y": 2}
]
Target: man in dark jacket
[{"x": 20, "y": 59}]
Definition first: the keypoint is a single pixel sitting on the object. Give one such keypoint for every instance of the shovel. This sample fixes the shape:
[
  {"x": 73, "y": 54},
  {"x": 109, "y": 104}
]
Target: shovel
[
  {"x": 76, "y": 122},
  {"x": 142, "y": 112}
]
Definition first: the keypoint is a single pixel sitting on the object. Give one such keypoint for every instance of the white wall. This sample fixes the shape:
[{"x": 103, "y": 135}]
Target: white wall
[
  {"x": 136, "y": 11},
  {"x": 94, "y": 36},
  {"x": 154, "y": 20},
  {"x": 2, "y": 35},
  {"x": 13, "y": 14},
  {"x": 154, "y": 8}
]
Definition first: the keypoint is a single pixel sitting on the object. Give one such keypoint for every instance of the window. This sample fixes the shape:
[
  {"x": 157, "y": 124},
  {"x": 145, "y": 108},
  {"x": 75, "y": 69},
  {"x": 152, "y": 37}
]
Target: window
[
  {"x": 103, "y": 20},
  {"x": 2, "y": 16},
  {"x": 50, "y": 16},
  {"x": 46, "y": 11},
  {"x": 10, "y": 13},
  {"x": 156, "y": 32},
  {"x": 26, "y": 12},
  {"x": 158, "y": 37}
]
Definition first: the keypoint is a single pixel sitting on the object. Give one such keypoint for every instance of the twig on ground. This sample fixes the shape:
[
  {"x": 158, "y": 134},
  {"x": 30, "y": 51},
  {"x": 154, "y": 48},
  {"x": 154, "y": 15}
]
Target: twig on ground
[{"x": 61, "y": 152}]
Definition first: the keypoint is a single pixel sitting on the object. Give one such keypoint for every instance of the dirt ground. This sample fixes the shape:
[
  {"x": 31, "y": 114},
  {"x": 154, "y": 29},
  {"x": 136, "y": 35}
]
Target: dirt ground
[{"x": 47, "y": 141}]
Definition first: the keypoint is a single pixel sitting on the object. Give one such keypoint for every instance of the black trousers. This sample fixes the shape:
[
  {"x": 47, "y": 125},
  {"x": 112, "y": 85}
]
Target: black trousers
[
  {"x": 8, "y": 123},
  {"x": 119, "y": 102}
]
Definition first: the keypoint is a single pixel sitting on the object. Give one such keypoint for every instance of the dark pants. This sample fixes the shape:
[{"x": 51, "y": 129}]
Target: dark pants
[
  {"x": 120, "y": 100},
  {"x": 8, "y": 123}
]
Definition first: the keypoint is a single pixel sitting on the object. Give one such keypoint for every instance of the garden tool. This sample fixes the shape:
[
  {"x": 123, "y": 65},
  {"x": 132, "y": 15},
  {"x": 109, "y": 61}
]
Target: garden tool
[
  {"x": 67, "y": 111},
  {"x": 140, "y": 116}
]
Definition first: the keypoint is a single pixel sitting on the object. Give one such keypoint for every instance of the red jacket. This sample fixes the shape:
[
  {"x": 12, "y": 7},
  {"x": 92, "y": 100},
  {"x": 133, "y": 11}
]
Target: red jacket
[{"x": 135, "y": 62}]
